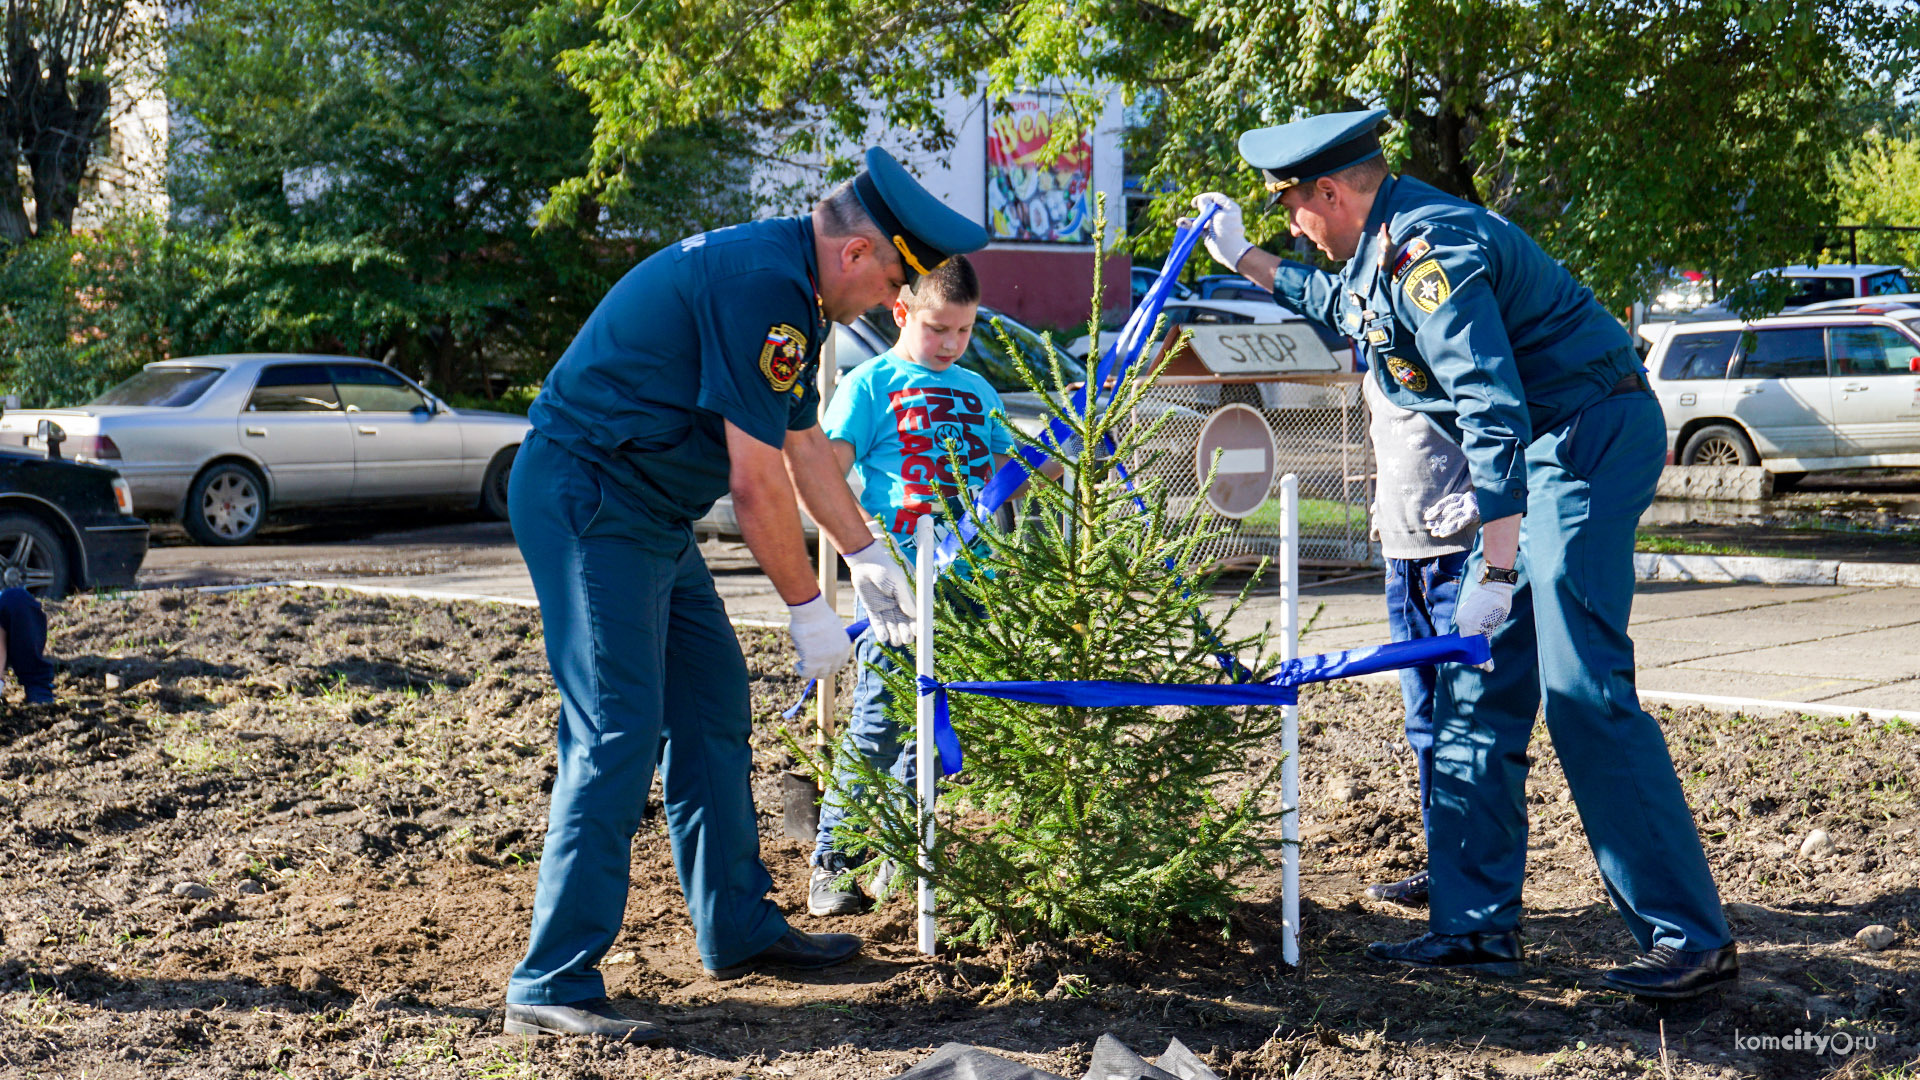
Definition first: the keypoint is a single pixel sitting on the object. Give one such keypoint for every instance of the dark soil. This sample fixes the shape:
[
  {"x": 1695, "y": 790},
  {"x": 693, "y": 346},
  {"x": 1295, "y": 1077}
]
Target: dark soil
[{"x": 298, "y": 839}]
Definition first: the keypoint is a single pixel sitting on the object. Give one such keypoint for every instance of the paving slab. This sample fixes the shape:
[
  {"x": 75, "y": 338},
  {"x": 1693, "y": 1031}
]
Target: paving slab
[
  {"x": 1872, "y": 656},
  {"x": 1786, "y": 688},
  {"x": 1899, "y": 695},
  {"x": 1653, "y": 601},
  {"x": 1745, "y": 628}
]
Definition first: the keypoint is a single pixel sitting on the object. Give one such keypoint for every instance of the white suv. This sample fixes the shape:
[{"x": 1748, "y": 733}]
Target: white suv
[{"x": 1827, "y": 390}]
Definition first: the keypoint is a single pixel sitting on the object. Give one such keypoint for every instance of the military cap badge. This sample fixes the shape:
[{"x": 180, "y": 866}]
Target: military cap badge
[{"x": 783, "y": 357}]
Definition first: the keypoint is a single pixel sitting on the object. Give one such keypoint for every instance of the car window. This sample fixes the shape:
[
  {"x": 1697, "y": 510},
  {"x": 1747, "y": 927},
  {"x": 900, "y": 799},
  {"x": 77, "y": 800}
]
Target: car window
[
  {"x": 1884, "y": 283},
  {"x": 374, "y": 388},
  {"x": 1818, "y": 290},
  {"x": 168, "y": 386},
  {"x": 1200, "y": 316},
  {"x": 1699, "y": 356},
  {"x": 294, "y": 388},
  {"x": 1794, "y": 353},
  {"x": 1240, "y": 292},
  {"x": 1871, "y": 350}
]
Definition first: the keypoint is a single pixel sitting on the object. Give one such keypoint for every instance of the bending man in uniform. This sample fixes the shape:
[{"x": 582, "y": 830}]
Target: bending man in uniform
[
  {"x": 694, "y": 377},
  {"x": 1540, "y": 386}
]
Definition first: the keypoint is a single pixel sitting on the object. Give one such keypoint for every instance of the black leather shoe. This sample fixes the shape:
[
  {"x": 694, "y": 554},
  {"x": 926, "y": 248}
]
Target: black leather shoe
[
  {"x": 1411, "y": 892},
  {"x": 1490, "y": 953},
  {"x": 1668, "y": 973},
  {"x": 595, "y": 1017},
  {"x": 797, "y": 951}
]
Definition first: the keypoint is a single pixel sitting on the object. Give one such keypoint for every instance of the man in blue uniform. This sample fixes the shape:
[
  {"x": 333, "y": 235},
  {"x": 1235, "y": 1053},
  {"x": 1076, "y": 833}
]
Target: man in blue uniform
[
  {"x": 694, "y": 377},
  {"x": 1541, "y": 388}
]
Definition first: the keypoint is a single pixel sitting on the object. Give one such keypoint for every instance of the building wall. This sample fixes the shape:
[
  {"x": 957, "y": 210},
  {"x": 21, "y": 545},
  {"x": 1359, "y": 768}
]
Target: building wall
[{"x": 1047, "y": 284}]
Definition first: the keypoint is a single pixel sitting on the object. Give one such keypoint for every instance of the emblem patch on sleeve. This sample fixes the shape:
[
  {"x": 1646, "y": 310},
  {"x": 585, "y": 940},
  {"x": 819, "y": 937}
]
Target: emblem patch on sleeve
[
  {"x": 1407, "y": 375},
  {"x": 783, "y": 357},
  {"x": 1415, "y": 250},
  {"x": 1427, "y": 286}
]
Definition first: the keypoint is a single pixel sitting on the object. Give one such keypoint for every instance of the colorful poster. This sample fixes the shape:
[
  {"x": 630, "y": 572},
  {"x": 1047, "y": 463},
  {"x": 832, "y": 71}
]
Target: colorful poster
[{"x": 1047, "y": 200}]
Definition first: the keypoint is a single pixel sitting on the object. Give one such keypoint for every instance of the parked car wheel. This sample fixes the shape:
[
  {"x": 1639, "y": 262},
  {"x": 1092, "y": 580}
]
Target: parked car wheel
[
  {"x": 1719, "y": 444},
  {"x": 226, "y": 505},
  {"x": 32, "y": 557},
  {"x": 493, "y": 487}
]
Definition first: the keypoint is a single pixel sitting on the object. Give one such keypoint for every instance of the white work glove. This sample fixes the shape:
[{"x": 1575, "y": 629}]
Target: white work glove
[
  {"x": 1373, "y": 521},
  {"x": 1485, "y": 609},
  {"x": 1451, "y": 514},
  {"x": 819, "y": 637},
  {"x": 1226, "y": 235},
  {"x": 885, "y": 592}
]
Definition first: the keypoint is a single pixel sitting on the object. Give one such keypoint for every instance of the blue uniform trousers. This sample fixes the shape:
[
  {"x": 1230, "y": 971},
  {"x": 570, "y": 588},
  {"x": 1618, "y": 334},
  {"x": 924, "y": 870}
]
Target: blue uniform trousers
[
  {"x": 1420, "y": 598},
  {"x": 648, "y": 670},
  {"x": 26, "y": 626},
  {"x": 1588, "y": 482}
]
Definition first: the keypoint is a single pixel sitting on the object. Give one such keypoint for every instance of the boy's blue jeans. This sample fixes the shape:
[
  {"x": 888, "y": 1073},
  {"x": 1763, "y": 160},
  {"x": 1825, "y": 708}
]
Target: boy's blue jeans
[
  {"x": 871, "y": 735},
  {"x": 1420, "y": 598}
]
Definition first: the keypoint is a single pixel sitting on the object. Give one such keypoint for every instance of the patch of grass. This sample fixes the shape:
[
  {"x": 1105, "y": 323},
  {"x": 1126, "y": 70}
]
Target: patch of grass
[
  {"x": 1650, "y": 544},
  {"x": 1315, "y": 515},
  {"x": 43, "y": 1009}
]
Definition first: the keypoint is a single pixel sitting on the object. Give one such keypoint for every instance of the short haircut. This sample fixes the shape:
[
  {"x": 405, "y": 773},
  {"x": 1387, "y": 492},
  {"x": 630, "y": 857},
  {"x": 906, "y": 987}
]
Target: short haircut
[
  {"x": 842, "y": 216},
  {"x": 1364, "y": 177},
  {"x": 952, "y": 282}
]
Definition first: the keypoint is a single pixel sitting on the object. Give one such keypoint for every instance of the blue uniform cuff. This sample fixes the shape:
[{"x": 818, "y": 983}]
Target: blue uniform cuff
[{"x": 1498, "y": 502}]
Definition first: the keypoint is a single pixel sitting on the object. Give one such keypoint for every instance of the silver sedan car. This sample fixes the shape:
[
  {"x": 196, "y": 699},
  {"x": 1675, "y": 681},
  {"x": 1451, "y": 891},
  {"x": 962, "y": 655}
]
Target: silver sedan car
[{"x": 217, "y": 441}]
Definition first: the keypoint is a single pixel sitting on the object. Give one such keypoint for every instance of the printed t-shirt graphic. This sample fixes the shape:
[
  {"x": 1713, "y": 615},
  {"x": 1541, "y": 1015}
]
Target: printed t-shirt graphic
[{"x": 905, "y": 422}]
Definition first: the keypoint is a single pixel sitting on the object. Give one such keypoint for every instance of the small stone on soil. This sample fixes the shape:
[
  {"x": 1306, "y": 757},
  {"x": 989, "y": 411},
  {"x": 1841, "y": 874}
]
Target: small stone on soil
[
  {"x": 1876, "y": 937},
  {"x": 1816, "y": 844},
  {"x": 1343, "y": 789},
  {"x": 192, "y": 890},
  {"x": 346, "y": 903},
  {"x": 251, "y": 887},
  {"x": 113, "y": 681},
  {"x": 625, "y": 956}
]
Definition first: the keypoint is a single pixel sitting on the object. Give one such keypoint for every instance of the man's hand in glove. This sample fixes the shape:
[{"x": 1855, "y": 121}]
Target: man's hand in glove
[
  {"x": 1452, "y": 514},
  {"x": 1485, "y": 609},
  {"x": 1226, "y": 235},
  {"x": 885, "y": 592},
  {"x": 819, "y": 637}
]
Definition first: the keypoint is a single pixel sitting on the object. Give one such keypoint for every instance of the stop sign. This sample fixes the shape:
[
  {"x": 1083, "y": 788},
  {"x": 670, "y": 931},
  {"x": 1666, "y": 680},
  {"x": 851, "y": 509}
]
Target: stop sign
[{"x": 1248, "y": 457}]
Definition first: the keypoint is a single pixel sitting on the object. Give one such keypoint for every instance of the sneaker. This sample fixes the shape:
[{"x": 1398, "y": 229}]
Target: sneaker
[{"x": 832, "y": 890}]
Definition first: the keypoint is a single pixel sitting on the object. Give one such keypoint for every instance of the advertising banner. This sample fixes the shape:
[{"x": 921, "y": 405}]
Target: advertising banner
[{"x": 1032, "y": 197}]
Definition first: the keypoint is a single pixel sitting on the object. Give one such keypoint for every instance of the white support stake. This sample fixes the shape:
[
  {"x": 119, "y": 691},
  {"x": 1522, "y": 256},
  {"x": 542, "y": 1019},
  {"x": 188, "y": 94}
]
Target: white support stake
[
  {"x": 1290, "y": 722},
  {"x": 928, "y": 766}
]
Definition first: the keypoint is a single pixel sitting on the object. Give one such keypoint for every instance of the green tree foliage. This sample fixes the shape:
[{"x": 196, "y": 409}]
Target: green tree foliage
[
  {"x": 1628, "y": 135},
  {"x": 1114, "y": 822},
  {"x": 80, "y": 312},
  {"x": 426, "y": 135},
  {"x": 1879, "y": 184}
]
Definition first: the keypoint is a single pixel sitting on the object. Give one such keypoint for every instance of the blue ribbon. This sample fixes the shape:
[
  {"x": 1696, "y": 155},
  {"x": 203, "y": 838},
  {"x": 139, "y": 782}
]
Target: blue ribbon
[{"x": 1281, "y": 689}]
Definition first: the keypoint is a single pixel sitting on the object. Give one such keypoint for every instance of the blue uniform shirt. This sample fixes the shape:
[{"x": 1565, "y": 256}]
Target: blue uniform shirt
[
  {"x": 900, "y": 418},
  {"x": 1473, "y": 324},
  {"x": 721, "y": 326}
]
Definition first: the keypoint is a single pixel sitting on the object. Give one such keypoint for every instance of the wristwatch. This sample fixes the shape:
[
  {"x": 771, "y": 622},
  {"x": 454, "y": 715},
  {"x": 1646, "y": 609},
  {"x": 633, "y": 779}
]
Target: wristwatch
[{"x": 1490, "y": 572}]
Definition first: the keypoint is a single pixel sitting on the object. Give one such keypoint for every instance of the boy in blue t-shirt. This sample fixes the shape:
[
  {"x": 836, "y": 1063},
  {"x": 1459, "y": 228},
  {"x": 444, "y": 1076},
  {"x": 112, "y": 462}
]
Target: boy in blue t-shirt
[{"x": 900, "y": 417}]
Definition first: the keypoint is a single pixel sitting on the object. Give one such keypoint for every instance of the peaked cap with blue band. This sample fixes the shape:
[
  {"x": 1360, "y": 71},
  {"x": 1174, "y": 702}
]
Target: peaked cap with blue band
[
  {"x": 1306, "y": 150},
  {"x": 923, "y": 229}
]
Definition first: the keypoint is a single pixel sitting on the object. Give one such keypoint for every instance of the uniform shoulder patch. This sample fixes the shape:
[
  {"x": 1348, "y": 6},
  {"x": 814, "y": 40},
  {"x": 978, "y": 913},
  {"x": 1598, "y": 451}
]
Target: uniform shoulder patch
[
  {"x": 1427, "y": 286},
  {"x": 1416, "y": 249},
  {"x": 1407, "y": 375},
  {"x": 783, "y": 357}
]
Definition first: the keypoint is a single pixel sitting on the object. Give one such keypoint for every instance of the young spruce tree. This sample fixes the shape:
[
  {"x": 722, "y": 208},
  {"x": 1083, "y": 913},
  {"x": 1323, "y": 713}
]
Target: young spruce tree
[{"x": 1113, "y": 822}]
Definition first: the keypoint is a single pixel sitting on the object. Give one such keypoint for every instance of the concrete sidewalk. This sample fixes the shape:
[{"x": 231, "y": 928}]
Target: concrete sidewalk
[{"x": 1833, "y": 646}]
